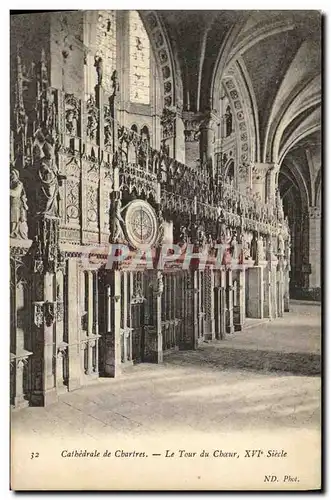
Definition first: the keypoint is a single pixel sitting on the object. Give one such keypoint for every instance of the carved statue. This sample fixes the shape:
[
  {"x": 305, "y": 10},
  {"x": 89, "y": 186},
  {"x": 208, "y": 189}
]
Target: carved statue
[
  {"x": 254, "y": 253},
  {"x": 92, "y": 118},
  {"x": 201, "y": 236},
  {"x": 183, "y": 235},
  {"x": 288, "y": 252},
  {"x": 279, "y": 206},
  {"x": 116, "y": 85},
  {"x": 117, "y": 223},
  {"x": 48, "y": 188},
  {"x": 280, "y": 244},
  {"x": 108, "y": 134},
  {"x": 271, "y": 249},
  {"x": 18, "y": 207},
  {"x": 260, "y": 250},
  {"x": 71, "y": 121},
  {"x": 244, "y": 251},
  {"x": 98, "y": 64},
  {"x": 234, "y": 246},
  {"x": 38, "y": 145},
  {"x": 158, "y": 284},
  {"x": 51, "y": 113}
]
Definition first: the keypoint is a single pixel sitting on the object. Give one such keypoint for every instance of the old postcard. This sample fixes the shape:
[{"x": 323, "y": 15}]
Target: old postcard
[{"x": 165, "y": 240}]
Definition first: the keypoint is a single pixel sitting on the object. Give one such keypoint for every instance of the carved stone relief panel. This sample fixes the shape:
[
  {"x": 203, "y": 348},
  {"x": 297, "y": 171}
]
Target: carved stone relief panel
[
  {"x": 72, "y": 115},
  {"x": 91, "y": 119},
  {"x": 72, "y": 208},
  {"x": 92, "y": 206}
]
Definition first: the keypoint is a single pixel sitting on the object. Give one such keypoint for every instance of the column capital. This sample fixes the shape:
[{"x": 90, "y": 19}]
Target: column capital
[
  {"x": 209, "y": 119},
  {"x": 192, "y": 123},
  {"x": 260, "y": 170}
]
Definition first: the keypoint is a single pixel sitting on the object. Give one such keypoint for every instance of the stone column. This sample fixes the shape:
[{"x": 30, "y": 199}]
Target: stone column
[
  {"x": 271, "y": 182},
  {"x": 221, "y": 304},
  {"x": 272, "y": 277},
  {"x": 267, "y": 291},
  {"x": 74, "y": 364},
  {"x": 45, "y": 344},
  {"x": 257, "y": 177},
  {"x": 255, "y": 292},
  {"x": 168, "y": 136},
  {"x": 195, "y": 308},
  {"x": 153, "y": 339},
  {"x": 287, "y": 268},
  {"x": 19, "y": 399},
  {"x": 280, "y": 276},
  {"x": 61, "y": 345},
  {"x": 280, "y": 272},
  {"x": 191, "y": 134},
  {"x": 210, "y": 313},
  {"x": 207, "y": 131},
  {"x": 240, "y": 274},
  {"x": 179, "y": 138},
  {"x": 99, "y": 97},
  {"x": 229, "y": 292},
  {"x": 112, "y": 343},
  {"x": 315, "y": 247}
]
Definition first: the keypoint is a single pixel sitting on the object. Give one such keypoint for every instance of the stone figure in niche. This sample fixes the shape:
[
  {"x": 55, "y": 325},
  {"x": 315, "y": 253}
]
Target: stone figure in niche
[
  {"x": 158, "y": 285},
  {"x": 98, "y": 64},
  {"x": 92, "y": 119},
  {"x": 116, "y": 223},
  {"x": 116, "y": 85},
  {"x": 38, "y": 144},
  {"x": 254, "y": 252},
  {"x": 246, "y": 246},
  {"x": 228, "y": 121},
  {"x": 108, "y": 133},
  {"x": 280, "y": 244},
  {"x": 260, "y": 250},
  {"x": 279, "y": 206},
  {"x": 49, "y": 313},
  {"x": 234, "y": 246},
  {"x": 51, "y": 113},
  {"x": 48, "y": 189},
  {"x": 18, "y": 207},
  {"x": 116, "y": 88},
  {"x": 71, "y": 121},
  {"x": 288, "y": 252},
  {"x": 201, "y": 236},
  {"x": 183, "y": 235}
]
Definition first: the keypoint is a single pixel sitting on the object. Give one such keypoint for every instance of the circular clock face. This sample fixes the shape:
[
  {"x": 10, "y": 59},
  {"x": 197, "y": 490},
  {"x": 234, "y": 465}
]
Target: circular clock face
[{"x": 141, "y": 223}]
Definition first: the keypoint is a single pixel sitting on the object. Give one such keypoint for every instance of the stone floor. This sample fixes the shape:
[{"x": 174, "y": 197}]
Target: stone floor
[
  {"x": 291, "y": 343},
  {"x": 193, "y": 390}
]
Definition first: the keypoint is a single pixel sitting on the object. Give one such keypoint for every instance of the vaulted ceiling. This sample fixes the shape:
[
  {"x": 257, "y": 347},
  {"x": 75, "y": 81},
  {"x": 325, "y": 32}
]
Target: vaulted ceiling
[{"x": 279, "y": 52}]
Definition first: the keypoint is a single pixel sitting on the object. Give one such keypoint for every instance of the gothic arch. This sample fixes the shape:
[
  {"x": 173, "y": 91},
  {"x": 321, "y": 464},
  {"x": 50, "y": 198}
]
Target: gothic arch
[
  {"x": 308, "y": 127},
  {"x": 304, "y": 102},
  {"x": 223, "y": 59},
  {"x": 172, "y": 92},
  {"x": 291, "y": 166},
  {"x": 318, "y": 188},
  {"x": 301, "y": 86},
  {"x": 229, "y": 169},
  {"x": 244, "y": 115}
]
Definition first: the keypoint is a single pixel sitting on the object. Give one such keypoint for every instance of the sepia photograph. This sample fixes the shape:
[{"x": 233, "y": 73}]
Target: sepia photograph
[{"x": 165, "y": 250}]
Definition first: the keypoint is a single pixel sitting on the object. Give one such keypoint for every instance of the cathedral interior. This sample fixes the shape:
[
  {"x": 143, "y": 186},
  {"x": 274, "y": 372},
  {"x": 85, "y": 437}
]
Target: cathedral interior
[{"x": 192, "y": 129}]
